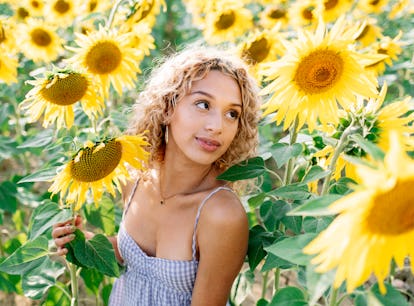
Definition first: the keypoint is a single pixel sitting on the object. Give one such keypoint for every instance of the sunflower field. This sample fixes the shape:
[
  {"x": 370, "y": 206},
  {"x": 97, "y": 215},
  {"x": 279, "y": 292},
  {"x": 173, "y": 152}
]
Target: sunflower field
[{"x": 332, "y": 218}]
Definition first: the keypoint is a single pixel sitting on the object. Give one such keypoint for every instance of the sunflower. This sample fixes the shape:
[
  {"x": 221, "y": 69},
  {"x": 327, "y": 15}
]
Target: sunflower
[
  {"x": 302, "y": 13},
  {"x": 228, "y": 21},
  {"x": 7, "y": 39},
  {"x": 369, "y": 6},
  {"x": 391, "y": 48},
  {"x": 261, "y": 47},
  {"x": 141, "y": 38},
  {"x": 107, "y": 55},
  {"x": 35, "y": 7},
  {"x": 369, "y": 33},
  {"x": 141, "y": 11},
  {"x": 332, "y": 9},
  {"x": 61, "y": 12},
  {"x": 99, "y": 167},
  {"x": 375, "y": 223},
  {"x": 318, "y": 71},
  {"x": 398, "y": 8},
  {"x": 273, "y": 15},
  {"x": 56, "y": 95},
  {"x": 93, "y": 6},
  {"x": 39, "y": 41},
  {"x": 8, "y": 69}
]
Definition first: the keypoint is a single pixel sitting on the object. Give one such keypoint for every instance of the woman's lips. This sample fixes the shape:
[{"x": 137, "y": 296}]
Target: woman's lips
[{"x": 208, "y": 144}]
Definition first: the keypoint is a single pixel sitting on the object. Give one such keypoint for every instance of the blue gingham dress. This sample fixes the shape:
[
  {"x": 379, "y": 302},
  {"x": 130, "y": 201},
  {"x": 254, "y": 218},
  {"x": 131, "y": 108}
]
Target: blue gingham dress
[{"x": 154, "y": 281}]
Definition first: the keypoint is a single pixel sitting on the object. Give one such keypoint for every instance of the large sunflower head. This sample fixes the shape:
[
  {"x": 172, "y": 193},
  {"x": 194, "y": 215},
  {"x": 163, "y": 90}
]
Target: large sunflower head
[
  {"x": 8, "y": 69},
  {"x": 39, "y": 41},
  {"x": 109, "y": 56},
  {"x": 375, "y": 224},
  {"x": 317, "y": 74},
  {"x": 98, "y": 167},
  {"x": 56, "y": 95},
  {"x": 227, "y": 22}
]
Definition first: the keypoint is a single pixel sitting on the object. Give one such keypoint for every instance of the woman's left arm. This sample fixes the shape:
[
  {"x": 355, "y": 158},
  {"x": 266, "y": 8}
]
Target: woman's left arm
[{"x": 222, "y": 236}]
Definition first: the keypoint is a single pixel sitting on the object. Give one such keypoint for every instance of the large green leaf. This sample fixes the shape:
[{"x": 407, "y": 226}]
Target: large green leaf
[
  {"x": 292, "y": 192},
  {"x": 272, "y": 212},
  {"x": 255, "y": 251},
  {"x": 314, "y": 173},
  {"x": 102, "y": 216},
  {"x": 251, "y": 168},
  {"x": 25, "y": 258},
  {"x": 318, "y": 283},
  {"x": 391, "y": 297},
  {"x": 282, "y": 152},
  {"x": 43, "y": 175},
  {"x": 288, "y": 296},
  {"x": 8, "y": 193},
  {"x": 44, "y": 216},
  {"x": 316, "y": 206},
  {"x": 7, "y": 147},
  {"x": 95, "y": 253},
  {"x": 92, "y": 279},
  {"x": 40, "y": 140},
  {"x": 369, "y": 147},
  {"x": 39, "y": 280},
  {"x": 290, "y": 249},
  {"x": 56, "y": 296}
]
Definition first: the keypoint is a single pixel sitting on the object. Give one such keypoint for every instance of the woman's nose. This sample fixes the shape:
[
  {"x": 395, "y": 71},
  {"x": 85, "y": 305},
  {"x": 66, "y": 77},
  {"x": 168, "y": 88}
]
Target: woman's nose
[{"x": 214, "y": 123}]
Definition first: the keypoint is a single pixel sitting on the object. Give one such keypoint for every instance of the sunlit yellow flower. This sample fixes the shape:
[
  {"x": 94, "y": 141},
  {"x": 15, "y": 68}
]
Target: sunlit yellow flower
[
  {"x": 369, "y": 33},
  {"x": 39, "y": 41},
  {"x": 61, "y": 12},
  {"x": 107, "y": 55},
  {"x": 302, "y": 13},
  {"x": 227, "y": 22},
  {"x": 375, "y": 223},
  {"x": 98, "y": 168},
  {"x": 8, "y": 69},
  {"x": 317, "y": 72},
  {"x": 261, "y": 47},
  {"x": 35, "y": 7},
  {"x": 398, "y": 8},
  {"x": 332, "y": 9},
  {"x": 7, "y": 36},
  {"x": 57, "y": 93},
  {"x": 273, "y": 15},
  {"x": 20, "y": 11},
  {"x": 387, "y": 46},
  {"x": 141, "y": 11},
  {"x": 93, "y": 6},
  {"x": 141, "y": 38},
  {"x": 370, "y": 6}
]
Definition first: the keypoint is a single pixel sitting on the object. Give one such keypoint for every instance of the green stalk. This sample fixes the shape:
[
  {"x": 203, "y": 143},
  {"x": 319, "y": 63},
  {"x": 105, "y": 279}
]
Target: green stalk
[
  {"x": 289, "y": 168},
  {"x": 112, "y": 14},
  {"x": 334, "y": 294},
  {"x": 264, "y": 284},
  {"x": 74, "y": 284},
  {"x": 342, "y": 142},
  {"x": 277, "y": 278}
]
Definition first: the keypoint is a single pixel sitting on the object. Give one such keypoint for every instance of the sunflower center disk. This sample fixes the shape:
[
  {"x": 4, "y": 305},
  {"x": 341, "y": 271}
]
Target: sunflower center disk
[
  {"x": 65, "y": 91},
  {"x": 257, "y": 51},
  {"x": 393, "y": 212},
  {"x": 40, "y": 37},
  {"x": 319, "y": 71},
  {"x": 93, "y": 166},
  {"x": 307, "y": 13},
  {"x": 225, "y": 21},
  {"x": 330, "y": 4},
  {"x": 2, "y": 34},
  {"x": 277, "y": 14},
  {"x": 61, "y": 7},
  {"x": 103, "y": 58}
]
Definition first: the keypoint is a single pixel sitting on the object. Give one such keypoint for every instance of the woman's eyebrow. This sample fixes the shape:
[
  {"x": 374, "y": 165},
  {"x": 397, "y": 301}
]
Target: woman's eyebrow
[{"x": 202, "y": 92}]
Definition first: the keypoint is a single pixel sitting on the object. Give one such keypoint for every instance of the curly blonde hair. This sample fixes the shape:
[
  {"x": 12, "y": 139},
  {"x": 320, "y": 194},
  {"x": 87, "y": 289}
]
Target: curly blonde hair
[{"x": 172, "y": 79}]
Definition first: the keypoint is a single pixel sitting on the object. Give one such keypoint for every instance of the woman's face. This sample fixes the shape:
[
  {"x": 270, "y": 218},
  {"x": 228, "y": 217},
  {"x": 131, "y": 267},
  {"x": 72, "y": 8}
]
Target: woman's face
[{"x": 205, "y": 121}]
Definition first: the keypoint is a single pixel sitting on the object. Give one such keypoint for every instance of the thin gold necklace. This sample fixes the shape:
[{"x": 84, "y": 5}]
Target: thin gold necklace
[{"x": 164, "y": 199}]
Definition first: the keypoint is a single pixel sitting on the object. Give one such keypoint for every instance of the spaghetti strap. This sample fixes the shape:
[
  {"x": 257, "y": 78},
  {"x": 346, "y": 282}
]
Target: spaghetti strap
[
  {"x": 193, "y": 246},
  {"x": 131, "y": 195}
]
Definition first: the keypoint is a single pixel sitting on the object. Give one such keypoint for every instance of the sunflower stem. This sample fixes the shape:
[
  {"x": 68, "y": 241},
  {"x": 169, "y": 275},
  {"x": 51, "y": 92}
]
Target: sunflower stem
[
  {"x": 277, "y": 279},
  {"x": 74, "y": 285},
  {"x": 264, "y": 284},
  {"x": 342, "y": 142},
  {"x": 289, "y": 168},
  {"x": 332, "y": 299},
  {"x": 112, "y": 14}
]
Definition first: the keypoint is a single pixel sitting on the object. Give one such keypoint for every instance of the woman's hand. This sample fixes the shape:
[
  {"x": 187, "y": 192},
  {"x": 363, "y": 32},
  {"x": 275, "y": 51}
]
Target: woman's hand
[{"x": 63, "y": 233}]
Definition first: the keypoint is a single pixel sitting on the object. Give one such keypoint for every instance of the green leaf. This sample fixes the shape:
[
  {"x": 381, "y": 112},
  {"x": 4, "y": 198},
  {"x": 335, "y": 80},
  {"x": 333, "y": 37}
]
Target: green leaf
[
  {"x": 294, "y": 223},
  {"x": 29, "y": 255},
  {"x": 256, "y": 200},
  {"x": 102, "y": 217},
  {"x": 290, "y": 248},
  {"x": 318, "y": 283},
  {"x": 45, "y": 216},
  {"x": 40, "y": 140},
  {"x": 288, "y": 296},
  {"x": 95, "y": 253},
  {"x": 105, "y": 293},
  {"x": 8, "y": 193},
  {"x": 314, "y": 173},
  {"x": 273, "y": 261},
  {"x": 291, "y": 192},
  {"x": 43, "y": 175},
  {"x": 92, "y": 279},
  {"x": 8, "y": 282},
  {"x": 316, "y": 225},
  {"x": 391, "y": 297},
  {"x": 255, "y": 251},
  {"x": 272, "y": 212},
  {"x": 56, "y": 296},
  {"x": 39, "y": 280},
  {"x": 251, "y": 168},
  {"x": 7, "y": 147},
  {"x": 262, "y": 302},
  {"x": 283, "y": 152},
  {"x": 316, "y": 206},
  {"x": 369, "y": 147}
]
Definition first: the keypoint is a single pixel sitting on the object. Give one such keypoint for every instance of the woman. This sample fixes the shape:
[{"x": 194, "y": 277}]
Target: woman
[{"x": 183, "y": 236}]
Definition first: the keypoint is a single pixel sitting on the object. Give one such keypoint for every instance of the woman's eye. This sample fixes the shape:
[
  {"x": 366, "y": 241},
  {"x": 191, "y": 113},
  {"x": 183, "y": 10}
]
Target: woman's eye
[
  {"x": 233, "y": 115},
  {"x": 202, "y": 104}
]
